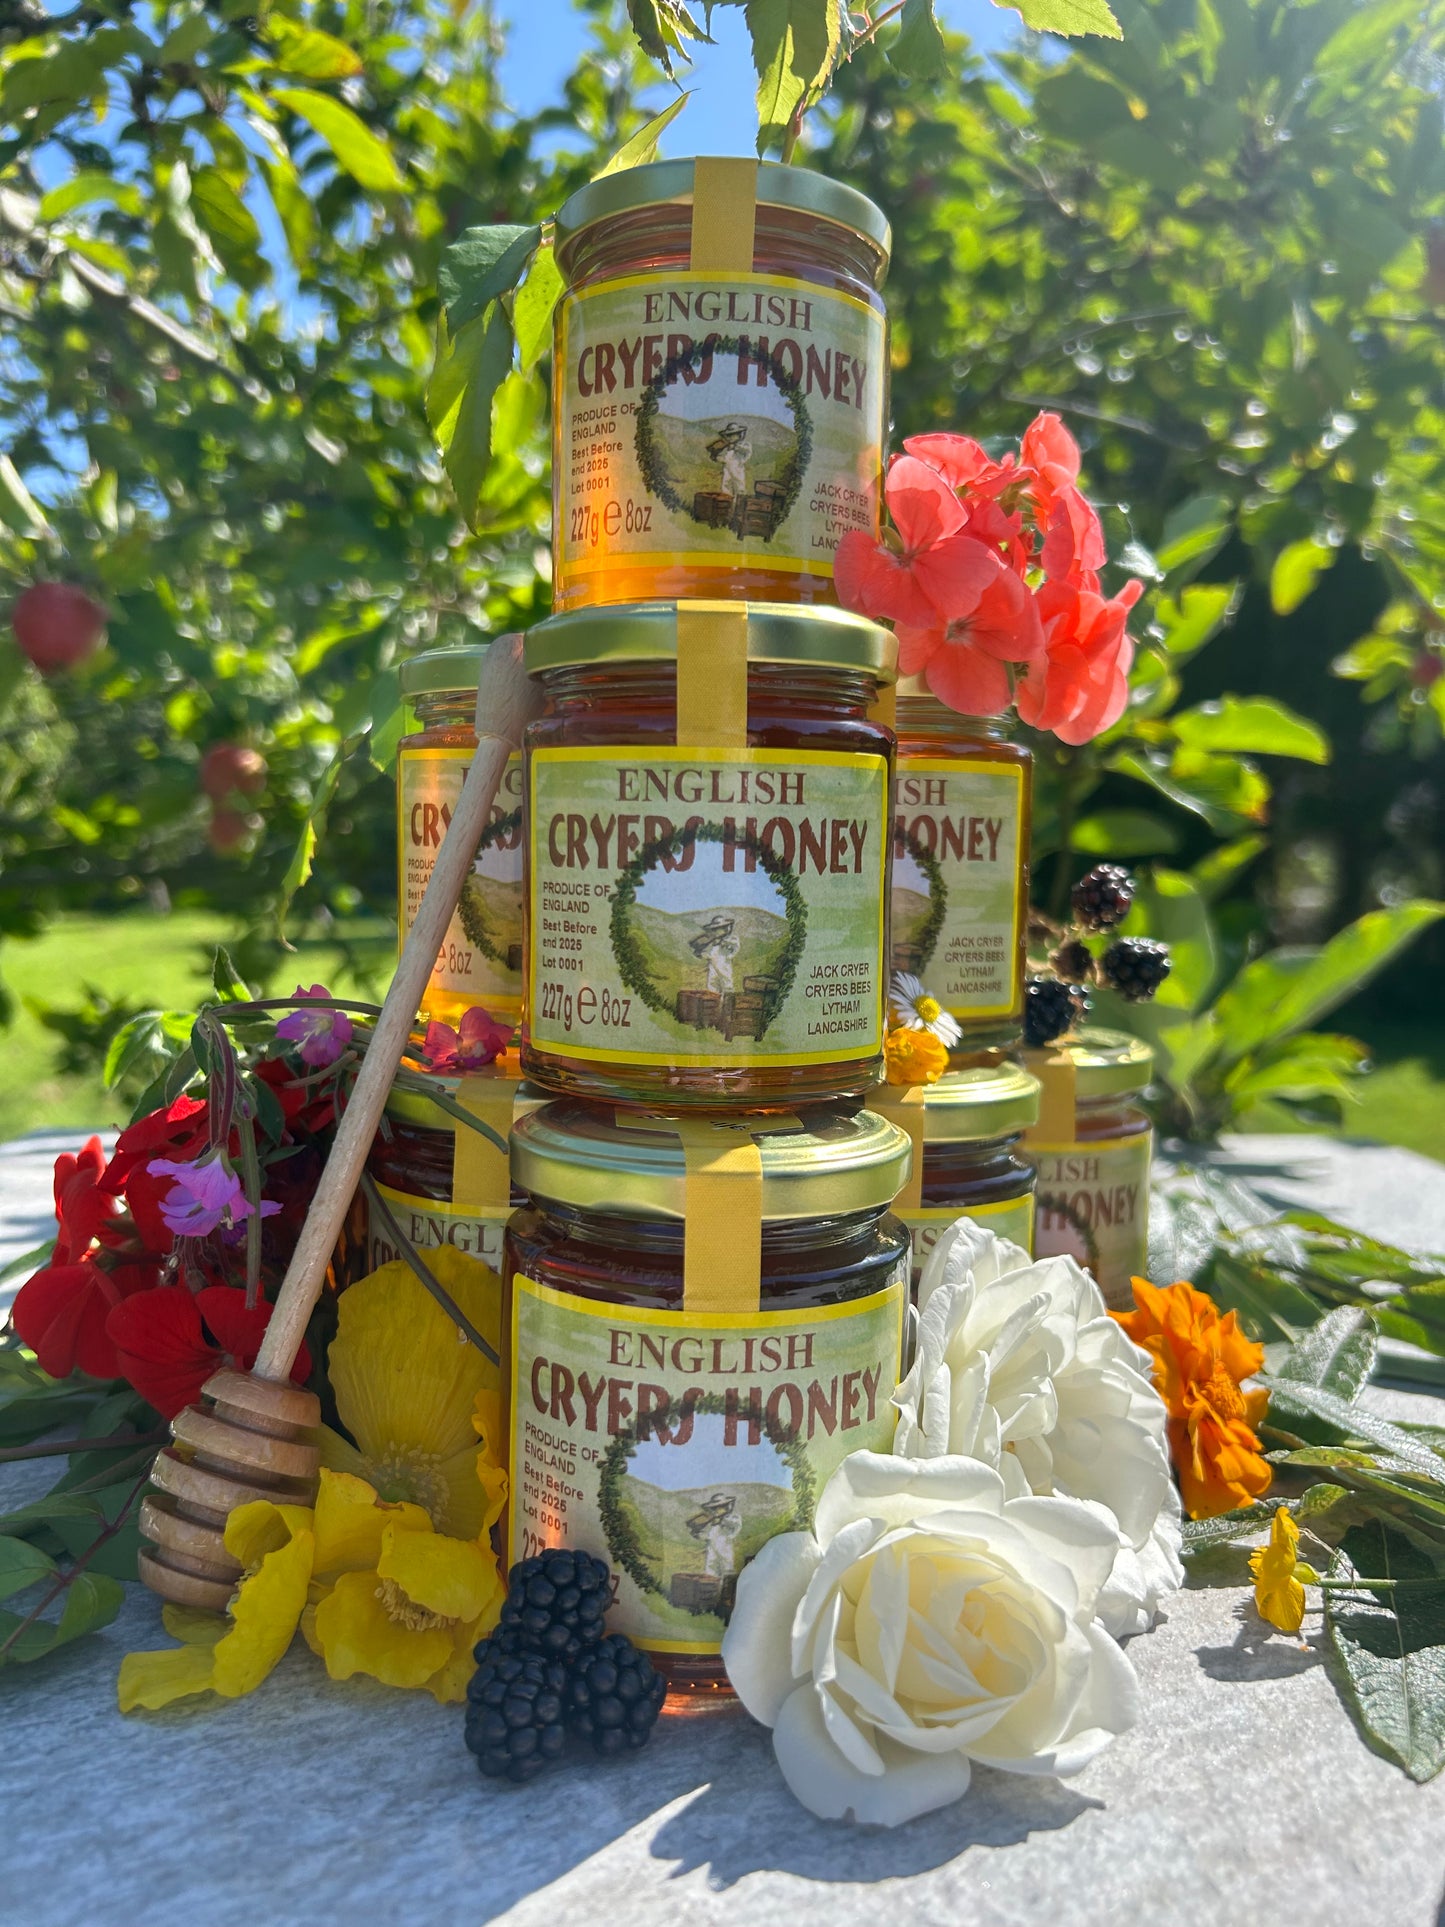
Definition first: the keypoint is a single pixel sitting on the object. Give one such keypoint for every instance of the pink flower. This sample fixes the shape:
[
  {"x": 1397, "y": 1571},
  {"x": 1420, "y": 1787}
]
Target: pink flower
[
  {"x": 320, "y": 1035},
  {"x": 205, "y": 1196},
  {"x": 478, "y": 1043},
  {"x": 963, "y": 660},
  {"x": 1081, "y": 685},
  {"x": 942, "y": 570}
]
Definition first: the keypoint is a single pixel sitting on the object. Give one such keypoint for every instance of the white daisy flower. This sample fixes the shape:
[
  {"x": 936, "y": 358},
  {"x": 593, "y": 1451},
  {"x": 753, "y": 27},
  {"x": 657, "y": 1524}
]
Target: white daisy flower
[{"x": 914, "y": 1009}]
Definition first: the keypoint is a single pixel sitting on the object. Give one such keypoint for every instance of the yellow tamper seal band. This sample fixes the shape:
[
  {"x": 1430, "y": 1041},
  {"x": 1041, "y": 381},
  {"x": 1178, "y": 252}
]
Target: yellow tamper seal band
[
  {"x": 481, "y": 1174},
  {"x": 902, "y": 1104},
  {"x": 722, "y": 1231},
  {"x": 1055, "y": 1071},
  {"x": 712, "y": 674},
  {"x": 884, "y": 708},
  {"x": 724, "y": 214}
]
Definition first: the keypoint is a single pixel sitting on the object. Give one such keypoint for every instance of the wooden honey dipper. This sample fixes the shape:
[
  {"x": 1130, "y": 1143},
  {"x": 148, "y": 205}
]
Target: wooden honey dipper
[{"x": 252, "y": 1436}]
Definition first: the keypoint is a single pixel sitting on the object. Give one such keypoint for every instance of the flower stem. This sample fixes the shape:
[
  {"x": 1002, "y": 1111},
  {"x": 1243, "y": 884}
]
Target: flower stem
[
  {"x": 54, "y": 1448},
  {"x": 64, "y": 1579}
]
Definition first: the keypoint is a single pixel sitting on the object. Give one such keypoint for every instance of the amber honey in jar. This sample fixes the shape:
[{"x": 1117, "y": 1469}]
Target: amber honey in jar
[
  {"x": 437, "y": 1180},
  {"x": 480, "y": 961},
  {"x": 967, "y": 1127},
  {"x": 705, "y": 1316},
  {"x": 720, "y": 383},
  {"x": 1092, "y": 1148},
  {"x": 707, "y": 855},
  {"x": 961, "y": 864}
]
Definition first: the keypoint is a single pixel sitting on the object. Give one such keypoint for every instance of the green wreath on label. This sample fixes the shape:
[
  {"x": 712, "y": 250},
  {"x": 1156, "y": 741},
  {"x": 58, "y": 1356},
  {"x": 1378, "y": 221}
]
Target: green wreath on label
[
  {"x": 623, "y": 1546},
  {"x": 650, "y": 464},
  {"x": 929, "y": 930},
  {"x": 632, "y": 964},
  {"x": 471, "y": 909}
]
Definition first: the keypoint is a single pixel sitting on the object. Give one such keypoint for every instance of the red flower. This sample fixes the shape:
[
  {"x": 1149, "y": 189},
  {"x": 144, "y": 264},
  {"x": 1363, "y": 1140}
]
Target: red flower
[
  {"x": 1082, "y": 684},
  {"x": 1074, "y": 544},
  {"x": 61, "y": 1314},
  {"x": 171, "y": 1341},
  {"x": 82, "y": 1207},
  {"x": 306, "y": 1107},
  {"x": 179, "y": 1132},
  {"x": 942, "y": 569},
  {"x": 962, "y": 659}
]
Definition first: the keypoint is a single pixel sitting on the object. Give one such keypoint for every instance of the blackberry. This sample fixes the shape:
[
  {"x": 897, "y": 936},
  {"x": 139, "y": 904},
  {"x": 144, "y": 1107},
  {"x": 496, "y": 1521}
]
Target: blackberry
[
  {"x": 1048, "y": 1010},
  {"x": 558, "y": 1601},
  {"x": 1136, "y": 966},
  {"x": 1073, "y": 961},
  {"x": 514, "y": 1710},
  {"x": 614, "y": 1696},
  {"x": 1102, "y": 896},
  {"x": 1082, "y": 1001}
]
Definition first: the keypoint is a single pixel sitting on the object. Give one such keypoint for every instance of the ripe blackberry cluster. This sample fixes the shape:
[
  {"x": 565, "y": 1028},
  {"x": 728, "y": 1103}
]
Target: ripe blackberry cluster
[
  {"x": 549, "y": 1671},
  {"x": 1102, "y": 896},
  {"x": 1051, "y": 1008},
  {"x": 1135, "y": 967}
]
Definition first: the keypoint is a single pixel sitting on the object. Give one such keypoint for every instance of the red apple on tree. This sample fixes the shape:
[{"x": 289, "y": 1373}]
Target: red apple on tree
[
  {"x": 229, "y": 830},
  {"x": 230, "y": 767},
  {"x": 58, "y": 625}
]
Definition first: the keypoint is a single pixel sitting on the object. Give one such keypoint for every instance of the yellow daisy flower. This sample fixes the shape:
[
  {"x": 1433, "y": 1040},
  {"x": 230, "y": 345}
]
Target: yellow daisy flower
[
  {"x": 407, "y": 1380},
  {"x": 232, "y": 1655},
  {"x": 392, "y": 1598}
]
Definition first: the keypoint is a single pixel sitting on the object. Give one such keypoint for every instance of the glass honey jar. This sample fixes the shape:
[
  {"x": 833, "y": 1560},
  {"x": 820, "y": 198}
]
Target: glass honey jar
[
  {"x": 720, "y": 382},
  {"x": 708, "y": 854},
  {"x": 705, "y": 1316},
  {"x": 962, "y": 818},
  {"x": 966, "y": 1130},
  {"x": 480, "y": 961},
  {"x": 1092, "y": 1149}
]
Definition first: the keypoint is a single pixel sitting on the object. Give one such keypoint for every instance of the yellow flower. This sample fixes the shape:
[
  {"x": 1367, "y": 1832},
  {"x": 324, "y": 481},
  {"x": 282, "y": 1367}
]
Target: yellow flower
[
  {"x": 914, "y": 1056},
  {"x": 392, "y": 1598},
  {"x": 274, "y": 1544},
  {"x": 1278, "y": 1595},
  {"x": 407, "y": 1380}
]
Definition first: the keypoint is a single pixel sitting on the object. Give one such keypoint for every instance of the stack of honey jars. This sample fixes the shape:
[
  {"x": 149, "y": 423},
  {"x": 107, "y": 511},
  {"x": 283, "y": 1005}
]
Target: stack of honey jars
[{"x": 705, "y": 1281}]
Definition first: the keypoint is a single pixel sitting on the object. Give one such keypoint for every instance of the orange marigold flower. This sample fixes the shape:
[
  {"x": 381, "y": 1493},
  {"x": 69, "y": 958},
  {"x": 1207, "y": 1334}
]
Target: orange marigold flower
[
  {"x": 1200, "y": 1363},
  {"x": 914, "y": 1056}
]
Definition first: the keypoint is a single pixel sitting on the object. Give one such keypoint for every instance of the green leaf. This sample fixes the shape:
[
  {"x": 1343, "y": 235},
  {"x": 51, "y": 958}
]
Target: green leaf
[
  {"x": 21, "y": 1565},
  {"x": 459, "y": 396},
  {"x": 1193, "y": 532},
  {"x": 92, "y": 1600},
  {"x": 227, "y": 982},
  {"x": 309, "y": 52},
  {"x": 642, "y": 147},
  {"x": 1295, "y": 573},
  {"x": 1270, "y": 1306},
  {"x": 1067, "y": 16},
  {"x": 84, "y": 190},
  {"x": 19, "y": 509},
  {"x": 1390, "y": 1647},
  {"x": 1116, "y": 833},
  {"x": 1337, "y": 1356},
  {"x": 363, "y": 154},
  {"x": 1196, "y": 616},
  {"x": 298, "y": 870},
  {"x": 795, "y": 47},
  {"x": 920, "y": 50},
  {"x": 1251, "y": 726},
  {"x": 533, "y": 307},
  {"x": 186, "y": 40},
  {"x": 1290, "y": 989},
  {"x": 1206, "y": 1535},
  {"x": 663, "y": 27},
  {"x": 480, "y": 264},
  {"x": 1218, "y": 868},
  {"x": 223, "y": 214},
  {"x": 1323, "y": 1418},
  {"x": 1311, "y": 1065}
]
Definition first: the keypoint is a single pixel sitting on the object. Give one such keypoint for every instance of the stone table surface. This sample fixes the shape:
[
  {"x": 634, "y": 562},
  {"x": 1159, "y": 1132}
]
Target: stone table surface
[{"x": 1243, "y": 1795}]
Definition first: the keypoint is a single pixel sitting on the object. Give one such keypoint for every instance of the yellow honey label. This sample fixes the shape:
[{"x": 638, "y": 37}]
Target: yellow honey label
[
  {"x": 674, "y": 1445},
  {"x": 429, "y": 1225},
  {"x": 481, "y": 954},
  {"x": 1093, "y": 1203},
  {"x": 1011, "y": 1218}
]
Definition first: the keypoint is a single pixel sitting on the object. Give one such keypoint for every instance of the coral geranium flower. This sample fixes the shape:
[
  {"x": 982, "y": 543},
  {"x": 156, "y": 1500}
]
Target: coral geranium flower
[
  {"x": 398, "y": 1601},
  {"x": 1079, "y": 685},
  {"x": 274, "y": 1545},
  {"x": 941, "y": 571},
  {"x": 168, "y": 1342},
  {"x": 1200, "y": 1363},
  {"x": 406, "y": 1382},
  {"x": 63, "y": 1311},
  {"x": 962, "y": 654}
]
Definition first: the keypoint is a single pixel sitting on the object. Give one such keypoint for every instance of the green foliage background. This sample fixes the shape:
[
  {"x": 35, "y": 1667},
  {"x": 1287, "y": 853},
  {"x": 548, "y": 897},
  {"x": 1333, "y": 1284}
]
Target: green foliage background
[{"x": 1218, "y": 245}]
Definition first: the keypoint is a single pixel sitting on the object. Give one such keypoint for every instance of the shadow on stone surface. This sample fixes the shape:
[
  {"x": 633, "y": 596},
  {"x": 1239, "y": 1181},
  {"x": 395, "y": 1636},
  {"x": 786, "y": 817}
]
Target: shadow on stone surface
[
  {"x": 727, "y": 1832},
  {"x": 1259, "y": 1653}
]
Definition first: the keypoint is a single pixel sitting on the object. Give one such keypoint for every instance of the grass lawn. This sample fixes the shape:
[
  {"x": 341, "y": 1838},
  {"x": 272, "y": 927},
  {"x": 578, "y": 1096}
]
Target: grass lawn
[{"x": 138, "y": 960}]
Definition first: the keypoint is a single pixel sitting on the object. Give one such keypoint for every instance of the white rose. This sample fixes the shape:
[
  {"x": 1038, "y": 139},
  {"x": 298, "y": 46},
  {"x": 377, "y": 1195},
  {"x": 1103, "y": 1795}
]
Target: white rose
[
  {"x": 1018, "y": 1363},
  {"x": 926, "y": 1621}
]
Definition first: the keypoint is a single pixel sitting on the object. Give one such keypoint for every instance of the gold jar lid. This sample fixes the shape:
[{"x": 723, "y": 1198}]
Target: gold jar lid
[
  {"x": 660, "y": 183},
  {"x": 436, "y": 671},
  {"x": 412, "y": 1100},
  {"x": 1108, "y": 1063},
  {"x": 632, "y": 1163},
  {"x": 778, "y": 632},
  {"x": 973, "y": 1106}
]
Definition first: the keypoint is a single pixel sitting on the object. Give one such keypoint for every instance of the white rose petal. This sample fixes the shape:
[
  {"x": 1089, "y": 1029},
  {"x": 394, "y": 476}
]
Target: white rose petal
[
  {"x": 1020, "y": 1365},
  {"x": 929, "y": 1619}
]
